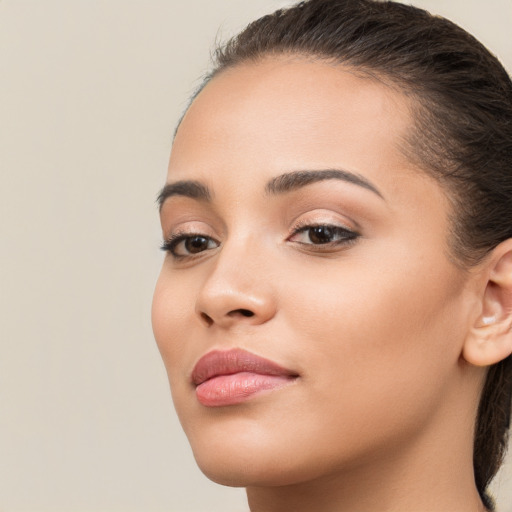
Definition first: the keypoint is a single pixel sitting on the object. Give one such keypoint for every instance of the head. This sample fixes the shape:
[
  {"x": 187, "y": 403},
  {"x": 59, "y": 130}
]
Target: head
[{"x": 421, "y": 114}]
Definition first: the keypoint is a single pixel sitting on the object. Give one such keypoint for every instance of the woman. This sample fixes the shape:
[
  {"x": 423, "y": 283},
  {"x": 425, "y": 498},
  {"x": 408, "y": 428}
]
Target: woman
[{"x": 335, "y": 308}]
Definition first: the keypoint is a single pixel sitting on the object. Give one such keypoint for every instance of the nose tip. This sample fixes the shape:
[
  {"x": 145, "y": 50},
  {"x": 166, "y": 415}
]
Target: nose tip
[{"x": 230, "y": 300}]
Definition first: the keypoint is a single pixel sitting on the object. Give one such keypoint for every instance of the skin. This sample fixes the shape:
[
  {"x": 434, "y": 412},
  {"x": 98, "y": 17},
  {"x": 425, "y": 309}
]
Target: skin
[{"x": 381, "y": 415}]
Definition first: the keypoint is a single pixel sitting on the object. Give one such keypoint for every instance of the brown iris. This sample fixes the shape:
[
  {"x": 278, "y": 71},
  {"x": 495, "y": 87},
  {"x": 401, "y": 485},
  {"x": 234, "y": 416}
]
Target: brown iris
[
  {"x": 321, "y": 234},
  {"x": 196, "y": 244}
]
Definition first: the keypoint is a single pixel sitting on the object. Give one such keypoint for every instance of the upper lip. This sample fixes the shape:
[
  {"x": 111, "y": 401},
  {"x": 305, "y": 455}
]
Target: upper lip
[{"x": 228, "y": 362}]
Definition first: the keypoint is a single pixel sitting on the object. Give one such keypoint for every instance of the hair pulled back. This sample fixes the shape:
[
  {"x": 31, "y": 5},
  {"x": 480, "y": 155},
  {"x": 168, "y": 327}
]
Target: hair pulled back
[{"x": 462, "y": 134}]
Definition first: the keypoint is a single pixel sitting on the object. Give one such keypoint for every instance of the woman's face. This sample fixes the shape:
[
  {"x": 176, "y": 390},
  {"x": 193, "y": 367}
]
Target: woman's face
[{"x": 303, "y": 236}]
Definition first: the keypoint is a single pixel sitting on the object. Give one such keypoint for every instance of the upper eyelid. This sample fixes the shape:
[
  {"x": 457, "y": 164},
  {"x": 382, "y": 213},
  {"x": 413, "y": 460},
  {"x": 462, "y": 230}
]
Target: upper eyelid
[
  {"x": 322, "y": 218},
  {"x": 295, "y": 224},
  {"x": 189, "y": 227},
  {"x": 192, "y": 234},
  {"x": 308, "y": 223},
  {"x": 302, "y": 212}
]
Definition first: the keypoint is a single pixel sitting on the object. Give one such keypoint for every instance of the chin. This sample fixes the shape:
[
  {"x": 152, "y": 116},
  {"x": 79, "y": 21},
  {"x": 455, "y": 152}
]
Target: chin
[
  {"x": 252, "y": 472},
  {"x": 241, "y": 453},
  {"x": 233, "y": 456},
  {"x": 231, "y": 474}
]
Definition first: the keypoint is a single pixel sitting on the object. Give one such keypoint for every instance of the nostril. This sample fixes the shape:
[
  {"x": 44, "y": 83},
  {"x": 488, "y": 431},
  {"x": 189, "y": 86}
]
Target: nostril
[
  {"x": 243, "y": 312},
  {"x": 207, "y": 319}
]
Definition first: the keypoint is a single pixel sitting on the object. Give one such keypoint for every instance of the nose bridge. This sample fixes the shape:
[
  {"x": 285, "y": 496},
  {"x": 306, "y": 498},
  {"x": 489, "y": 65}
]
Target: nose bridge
[{"x": 237, "y": 287}]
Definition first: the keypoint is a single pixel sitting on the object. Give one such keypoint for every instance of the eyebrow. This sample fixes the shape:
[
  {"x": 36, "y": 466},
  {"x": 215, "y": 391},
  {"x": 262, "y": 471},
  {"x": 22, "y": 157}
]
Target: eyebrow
[
  {"x": 187, "y": 188},
  {"x": 281, "y": 184},
  {"x": 298, "y": 179}
]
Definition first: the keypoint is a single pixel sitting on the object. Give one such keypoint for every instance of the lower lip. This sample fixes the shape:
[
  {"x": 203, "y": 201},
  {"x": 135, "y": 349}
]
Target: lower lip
[{"x": 237, "y": 388}]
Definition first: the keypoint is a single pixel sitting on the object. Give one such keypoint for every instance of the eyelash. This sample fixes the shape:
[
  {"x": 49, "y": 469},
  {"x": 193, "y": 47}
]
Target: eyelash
[
  {"x": 170, "y": 244},
  {"x": 347, "y": 237}
]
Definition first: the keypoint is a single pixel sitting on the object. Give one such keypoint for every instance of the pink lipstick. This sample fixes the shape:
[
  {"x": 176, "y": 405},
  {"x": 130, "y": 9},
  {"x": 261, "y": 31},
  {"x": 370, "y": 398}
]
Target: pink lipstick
[{"x": 231, "y": 377}]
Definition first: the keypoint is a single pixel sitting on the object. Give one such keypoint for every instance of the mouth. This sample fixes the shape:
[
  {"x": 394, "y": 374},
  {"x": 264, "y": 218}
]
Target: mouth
[{"x": 223, "y": 378}]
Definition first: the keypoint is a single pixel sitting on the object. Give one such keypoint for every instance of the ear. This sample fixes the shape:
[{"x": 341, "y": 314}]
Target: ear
[{"x": 490, "y": 338}]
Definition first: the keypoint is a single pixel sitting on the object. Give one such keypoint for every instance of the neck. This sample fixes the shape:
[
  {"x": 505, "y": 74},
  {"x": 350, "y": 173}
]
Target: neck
[{"x": 395, "y": 486}]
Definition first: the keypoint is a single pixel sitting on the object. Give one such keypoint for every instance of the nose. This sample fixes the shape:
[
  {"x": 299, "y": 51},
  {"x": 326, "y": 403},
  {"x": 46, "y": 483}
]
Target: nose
[{"x": 237, "y": 290}]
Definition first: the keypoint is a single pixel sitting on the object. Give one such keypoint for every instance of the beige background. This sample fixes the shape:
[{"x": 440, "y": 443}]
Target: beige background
[{"x": 90, "y": 91}]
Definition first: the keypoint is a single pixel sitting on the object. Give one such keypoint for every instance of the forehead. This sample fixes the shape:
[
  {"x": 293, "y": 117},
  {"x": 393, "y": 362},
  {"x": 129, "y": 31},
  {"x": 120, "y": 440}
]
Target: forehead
[{"x": 283, "y": 112}]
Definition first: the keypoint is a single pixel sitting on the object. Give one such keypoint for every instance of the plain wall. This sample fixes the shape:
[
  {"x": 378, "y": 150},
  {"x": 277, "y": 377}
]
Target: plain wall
[{"x": 90, "y": 92}]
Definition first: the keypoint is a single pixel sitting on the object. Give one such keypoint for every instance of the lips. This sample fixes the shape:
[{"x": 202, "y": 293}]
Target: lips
[{"x": 231, "y": 377}]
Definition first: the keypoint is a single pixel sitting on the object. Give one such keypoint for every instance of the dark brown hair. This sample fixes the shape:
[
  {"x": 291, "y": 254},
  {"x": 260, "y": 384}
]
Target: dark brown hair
[{"x": 462, "y": 135}]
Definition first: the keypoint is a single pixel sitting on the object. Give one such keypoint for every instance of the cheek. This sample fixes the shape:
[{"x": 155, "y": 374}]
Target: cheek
[
  {"x": 171, "y": 320},
  {"x": 376, "y": 335},
  {"x": 170, "y": 317}
]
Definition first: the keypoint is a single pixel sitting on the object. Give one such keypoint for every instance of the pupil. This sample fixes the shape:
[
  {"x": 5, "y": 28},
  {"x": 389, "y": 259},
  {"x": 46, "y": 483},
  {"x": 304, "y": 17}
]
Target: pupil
[
  {"x": 196, "y": 244},
  {"x": 320, "y": 234}
]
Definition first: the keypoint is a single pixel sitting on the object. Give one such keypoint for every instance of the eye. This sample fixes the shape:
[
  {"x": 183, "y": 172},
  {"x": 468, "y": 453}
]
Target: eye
[
  {"x": 323, "y": 234},
  {"x": 182, "y": 245}
]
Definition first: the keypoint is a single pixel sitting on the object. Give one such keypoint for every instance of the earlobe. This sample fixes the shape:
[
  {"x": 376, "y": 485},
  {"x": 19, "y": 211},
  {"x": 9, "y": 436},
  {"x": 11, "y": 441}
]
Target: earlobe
[{"x": 490, "y": 338}]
